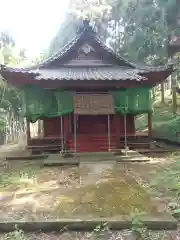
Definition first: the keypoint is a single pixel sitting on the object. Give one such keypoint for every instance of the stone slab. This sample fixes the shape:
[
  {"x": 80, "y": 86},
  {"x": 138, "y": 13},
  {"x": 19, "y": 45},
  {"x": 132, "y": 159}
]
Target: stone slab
[
  {"x": 132, "y": 160},
  {"x": 163, "y": 223},
  {"x": 29, "y": 157},
  {"x": 131, "y": 153},
  {"x": 60, "y": 163},
  {"x": 132, "y": 156},
  {"x": 160, "y": 150},
  {"x": 59, "y": 160}
]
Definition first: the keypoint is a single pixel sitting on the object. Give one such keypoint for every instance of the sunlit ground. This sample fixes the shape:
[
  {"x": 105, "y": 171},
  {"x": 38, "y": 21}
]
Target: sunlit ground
[{"x": 32, "y": 192}]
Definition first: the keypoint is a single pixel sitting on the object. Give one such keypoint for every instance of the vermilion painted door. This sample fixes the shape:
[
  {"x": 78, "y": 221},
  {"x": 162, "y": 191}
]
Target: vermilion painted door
[
  {"x": 52, "y": 127},
  {"x": 92, "y": 124}
]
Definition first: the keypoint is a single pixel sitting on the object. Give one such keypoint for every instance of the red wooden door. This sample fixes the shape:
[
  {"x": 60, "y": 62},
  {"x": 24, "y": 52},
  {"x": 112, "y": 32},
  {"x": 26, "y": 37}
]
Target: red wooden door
[
  {"x": 52, "y": 127},
  {"x": 92, "y": 124}
]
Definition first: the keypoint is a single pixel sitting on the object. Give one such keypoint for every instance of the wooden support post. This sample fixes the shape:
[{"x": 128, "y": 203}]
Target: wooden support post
[
  {"x": 39, "y": 128},
  {"x": 28, "y": 132},
  {"x": 70, "y": 123},
  {"x": 75, "y": 129},
  {"x": 125, "y": 133},
  {"x": 117, "y": 122},
  {"x": 62, "y": 135},
  {"x": 150, "y": 124},
  {"x": 109, "y": 134}
]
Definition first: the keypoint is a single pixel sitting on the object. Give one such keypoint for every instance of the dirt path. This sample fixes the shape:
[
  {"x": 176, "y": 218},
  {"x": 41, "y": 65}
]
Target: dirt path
[
  {"x": 91, "y": 172},
  {"x": 14, "y": 149}
]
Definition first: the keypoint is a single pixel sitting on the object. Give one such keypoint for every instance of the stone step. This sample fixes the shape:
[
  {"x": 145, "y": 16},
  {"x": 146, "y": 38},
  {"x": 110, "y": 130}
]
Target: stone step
[
  {"x": 130, "y": 153},
  {"x": 131, "y": 159},
  {"x": 50, "y": 163},
  {"x": 95, "y": 155},
  {"x": 132, "y": 156},
  {"x": 59, "y": 160}
]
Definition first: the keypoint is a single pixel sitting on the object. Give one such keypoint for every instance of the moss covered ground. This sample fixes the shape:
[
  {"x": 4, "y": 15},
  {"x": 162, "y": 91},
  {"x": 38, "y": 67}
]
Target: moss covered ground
[{"x": 113, "y": 196}]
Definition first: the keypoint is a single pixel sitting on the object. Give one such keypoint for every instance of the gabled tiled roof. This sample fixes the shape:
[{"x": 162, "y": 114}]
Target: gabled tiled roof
[
  {"x": 92, "y": 73},
  {"x": 95, "y": 73}
]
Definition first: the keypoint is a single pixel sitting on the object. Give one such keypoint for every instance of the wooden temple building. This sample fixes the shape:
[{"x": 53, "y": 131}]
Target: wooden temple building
[{"x": 86, "y": 95}]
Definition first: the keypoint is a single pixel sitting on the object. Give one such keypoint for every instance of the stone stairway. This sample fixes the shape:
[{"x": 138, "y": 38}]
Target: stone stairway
[{"x": 92, "y": 143}]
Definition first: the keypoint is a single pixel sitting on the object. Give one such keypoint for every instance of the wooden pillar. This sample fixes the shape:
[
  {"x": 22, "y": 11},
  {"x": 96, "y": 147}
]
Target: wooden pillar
[
  {"x": 69, "y": 122},
  {"x": 62, "y": 134},
  {"x": 28, "y": 132},
  {"x": 125, "y": 132},
  {"x": 109, "y": 134},
  {"x": 117, "y": 123},
  {"x": 39, "y": 128},
  {"x": 66, "y": 125},
  {"x": 75, "y": 129},
  {"x": 150, "y": 124}
]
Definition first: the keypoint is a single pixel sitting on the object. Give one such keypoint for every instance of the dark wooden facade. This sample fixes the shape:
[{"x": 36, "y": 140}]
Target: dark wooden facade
[
  {"x": 86, "y": 65},
  {"x": 91, "y": 131}
]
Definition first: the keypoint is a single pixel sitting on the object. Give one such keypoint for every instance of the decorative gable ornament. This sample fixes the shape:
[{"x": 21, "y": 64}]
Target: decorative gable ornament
[{"x": 86, "y": 48}]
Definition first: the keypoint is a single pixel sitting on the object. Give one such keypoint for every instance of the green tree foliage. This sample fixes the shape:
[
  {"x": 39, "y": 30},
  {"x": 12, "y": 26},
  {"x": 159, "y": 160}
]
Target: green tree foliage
[
  {"x": 139, "y": 29},
  {"x": 10, "y": 97},
  {"x": 69, "y": 31}
]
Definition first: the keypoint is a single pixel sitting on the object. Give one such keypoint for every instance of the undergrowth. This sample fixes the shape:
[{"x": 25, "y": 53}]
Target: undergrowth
[
  {"x": 24, "y": 178},
  {"x": 165, "y": 124},
  {"x": 17, "y": 234},
  {"x": 167, "y": 182},
  {"x": 138, "y": 229}
]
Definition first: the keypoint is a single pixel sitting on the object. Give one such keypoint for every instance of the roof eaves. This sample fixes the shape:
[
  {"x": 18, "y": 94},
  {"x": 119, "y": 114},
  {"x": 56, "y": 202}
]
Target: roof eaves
[
  {"x": 126, "y": 76},
  {"x": 147, "y": 69},
  {"x": 18, "y": 70}
]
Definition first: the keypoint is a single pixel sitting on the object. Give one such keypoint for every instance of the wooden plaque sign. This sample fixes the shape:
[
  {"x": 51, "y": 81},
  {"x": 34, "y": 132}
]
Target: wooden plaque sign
[{"x": 94, "y": 104}]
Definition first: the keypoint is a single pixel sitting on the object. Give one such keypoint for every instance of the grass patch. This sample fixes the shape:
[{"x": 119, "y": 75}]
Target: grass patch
[
  {"x": 166, "y": 182},
  {"x": 14, "y": 180},
  {"x": 32, "y": 176},
  {"x": 111, "y": 196},
  {"x": 167, "y": 179}
]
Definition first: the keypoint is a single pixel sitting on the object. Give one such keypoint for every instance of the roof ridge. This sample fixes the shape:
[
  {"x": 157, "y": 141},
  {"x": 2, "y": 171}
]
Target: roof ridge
[
  {"x": 74, "y": 41},
  {"x": 112, "y": 52}
]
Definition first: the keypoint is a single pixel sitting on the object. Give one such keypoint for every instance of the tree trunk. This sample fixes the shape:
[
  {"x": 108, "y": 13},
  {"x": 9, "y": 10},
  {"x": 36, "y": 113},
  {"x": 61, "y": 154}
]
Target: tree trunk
[
  {"x": 173, "y": 87},
  {"x": 162, "y": 93}
]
